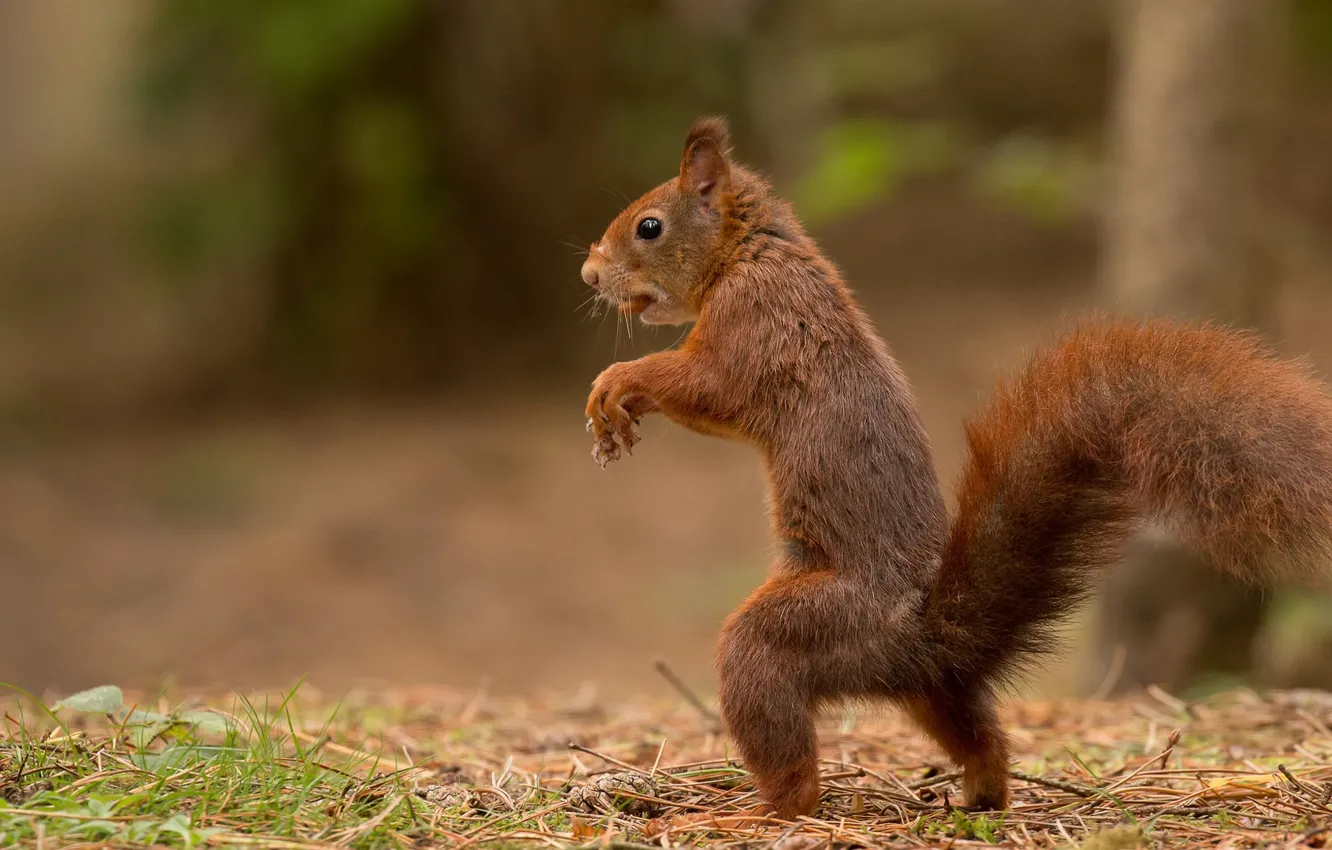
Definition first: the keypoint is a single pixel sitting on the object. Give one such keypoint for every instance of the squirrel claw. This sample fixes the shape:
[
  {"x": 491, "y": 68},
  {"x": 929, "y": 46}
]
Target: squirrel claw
[
  {"x": 621, "y": 424},
  {"x": 628, "y": 435},
  {"x": 605, "y": 450}
]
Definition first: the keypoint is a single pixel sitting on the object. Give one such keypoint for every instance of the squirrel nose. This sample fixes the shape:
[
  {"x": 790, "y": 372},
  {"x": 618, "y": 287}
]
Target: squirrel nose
[{"x": 590, "y": 276}]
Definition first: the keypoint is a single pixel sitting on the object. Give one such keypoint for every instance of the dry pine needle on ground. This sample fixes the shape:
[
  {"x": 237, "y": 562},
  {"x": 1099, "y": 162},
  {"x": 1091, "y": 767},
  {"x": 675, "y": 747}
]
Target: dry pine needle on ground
[{"x": 420, "y": 768}]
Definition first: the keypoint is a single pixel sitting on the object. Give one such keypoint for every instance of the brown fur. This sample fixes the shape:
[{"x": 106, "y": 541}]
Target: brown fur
[{"x": 875, "y": 595}]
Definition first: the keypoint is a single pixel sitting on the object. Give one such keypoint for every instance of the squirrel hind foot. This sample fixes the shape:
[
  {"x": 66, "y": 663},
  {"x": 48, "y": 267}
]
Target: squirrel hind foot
[
  {"x": 963, "y": 722},
  {"x": 985, "y": 790},
  {"x": 793, "y": 793}
]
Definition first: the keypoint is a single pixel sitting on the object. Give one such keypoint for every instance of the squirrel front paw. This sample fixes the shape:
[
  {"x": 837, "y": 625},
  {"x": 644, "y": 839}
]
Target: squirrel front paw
[
  {"x": 604, "y": 447},
  {"x": 609, "y": 417}
]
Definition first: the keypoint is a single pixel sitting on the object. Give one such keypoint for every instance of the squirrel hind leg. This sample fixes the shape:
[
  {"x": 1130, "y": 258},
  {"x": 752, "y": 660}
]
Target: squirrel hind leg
[
  {"x": 966, "y": 727},
  {"x": 774, "y": 731},
  {"x": 768, "y": 710},
  {"x": 772, "y": 725}
]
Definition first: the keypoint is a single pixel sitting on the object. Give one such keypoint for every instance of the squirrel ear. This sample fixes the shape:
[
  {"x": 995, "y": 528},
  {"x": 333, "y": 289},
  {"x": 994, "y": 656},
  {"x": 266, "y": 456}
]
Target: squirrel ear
[{"x": 705, "y": 169}]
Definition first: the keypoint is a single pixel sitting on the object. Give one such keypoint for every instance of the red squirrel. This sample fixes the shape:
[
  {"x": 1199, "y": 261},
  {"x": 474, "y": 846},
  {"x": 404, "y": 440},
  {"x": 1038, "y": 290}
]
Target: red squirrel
[{"x": 876, "y": 592}]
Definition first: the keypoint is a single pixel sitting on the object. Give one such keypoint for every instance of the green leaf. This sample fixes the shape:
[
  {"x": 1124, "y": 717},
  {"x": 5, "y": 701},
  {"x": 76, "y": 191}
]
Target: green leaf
[
  {"x": 180, "y": 825},
  {"x": 104, "y": 699},
  {"x": 95, "y": 829},
  {"x": 174, "y": 757},
  {"x": 208, "y": 722},
  {"x": 142, "y": 736}
]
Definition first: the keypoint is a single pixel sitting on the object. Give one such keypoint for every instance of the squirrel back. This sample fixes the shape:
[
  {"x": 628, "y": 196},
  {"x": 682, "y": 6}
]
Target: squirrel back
[{"x": 1203, "y": 428}]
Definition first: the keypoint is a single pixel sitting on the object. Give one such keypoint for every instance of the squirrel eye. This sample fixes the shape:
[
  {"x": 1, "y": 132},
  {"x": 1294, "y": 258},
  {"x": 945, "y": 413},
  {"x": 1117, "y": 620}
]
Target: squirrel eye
[{"x": 649, "y": 228}]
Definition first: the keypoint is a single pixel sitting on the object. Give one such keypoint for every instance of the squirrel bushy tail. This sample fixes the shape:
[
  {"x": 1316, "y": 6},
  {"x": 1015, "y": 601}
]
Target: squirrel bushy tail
[{"x": 1200, "y": 427}]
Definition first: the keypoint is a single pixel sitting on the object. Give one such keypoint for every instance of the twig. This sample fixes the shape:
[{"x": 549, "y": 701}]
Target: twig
[
  {"x": 1160, "y": 762},
  {"x": 1290, "y": 776},
  {"x": 582, "y": 749},
  {"x": 1170, "y": 701},
  {"x": 708, "y": 714},
  {"x": 1057, "y": 784},
  {"x": 1112, "y": 675},
  {"x": 1302, "y": 791},
  {"x": 1171, "y": 743},
  {"x": 937, "y": 779}
]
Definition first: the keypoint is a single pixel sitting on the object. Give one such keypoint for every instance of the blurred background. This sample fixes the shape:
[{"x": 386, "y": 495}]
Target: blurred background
[{"x": 293, "y": 362}]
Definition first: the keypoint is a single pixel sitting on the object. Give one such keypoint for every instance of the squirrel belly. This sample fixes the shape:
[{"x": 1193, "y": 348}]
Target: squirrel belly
[{"x": 877, "y": 592}]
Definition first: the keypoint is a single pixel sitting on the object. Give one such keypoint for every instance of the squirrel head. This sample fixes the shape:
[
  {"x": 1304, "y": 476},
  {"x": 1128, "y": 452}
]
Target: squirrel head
[{"x": 658, "y": 256}]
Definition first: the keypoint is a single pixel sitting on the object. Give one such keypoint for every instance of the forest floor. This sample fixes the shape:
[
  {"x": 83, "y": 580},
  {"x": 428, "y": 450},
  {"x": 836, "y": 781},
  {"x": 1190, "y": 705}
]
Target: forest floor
[
  {"x": 419, "y": 768},
  {"x": 475, "y": 541}
]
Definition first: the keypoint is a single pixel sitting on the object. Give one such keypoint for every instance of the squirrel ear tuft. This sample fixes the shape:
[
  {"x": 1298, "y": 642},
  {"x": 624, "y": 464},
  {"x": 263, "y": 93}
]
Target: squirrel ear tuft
[
  {"x": 705, "y": 169},
  {"x": 714, "y": 129}
]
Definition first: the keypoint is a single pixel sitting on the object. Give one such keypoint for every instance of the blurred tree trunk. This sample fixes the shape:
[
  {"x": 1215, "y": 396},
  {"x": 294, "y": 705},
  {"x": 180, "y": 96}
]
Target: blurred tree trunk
[{"x": 1184, "y": 238}]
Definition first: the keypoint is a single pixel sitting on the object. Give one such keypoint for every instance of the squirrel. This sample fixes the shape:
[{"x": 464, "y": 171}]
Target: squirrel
[{"x": 876, "y": 593}]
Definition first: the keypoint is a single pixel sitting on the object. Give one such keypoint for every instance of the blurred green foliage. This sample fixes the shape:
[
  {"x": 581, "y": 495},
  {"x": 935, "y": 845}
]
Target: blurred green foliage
[
  {"x": 863, "y": 158},
  {"x": 1312, "y": 31},
  {"x": 327, "y": 185},
  {"x": 404, "y": 183},
  {"x": 1049, "y": 180},
  {"x": 860, "y": 161},
  {"x": 395, "y": 177},
  {"x": 1049, "y": 175}
]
